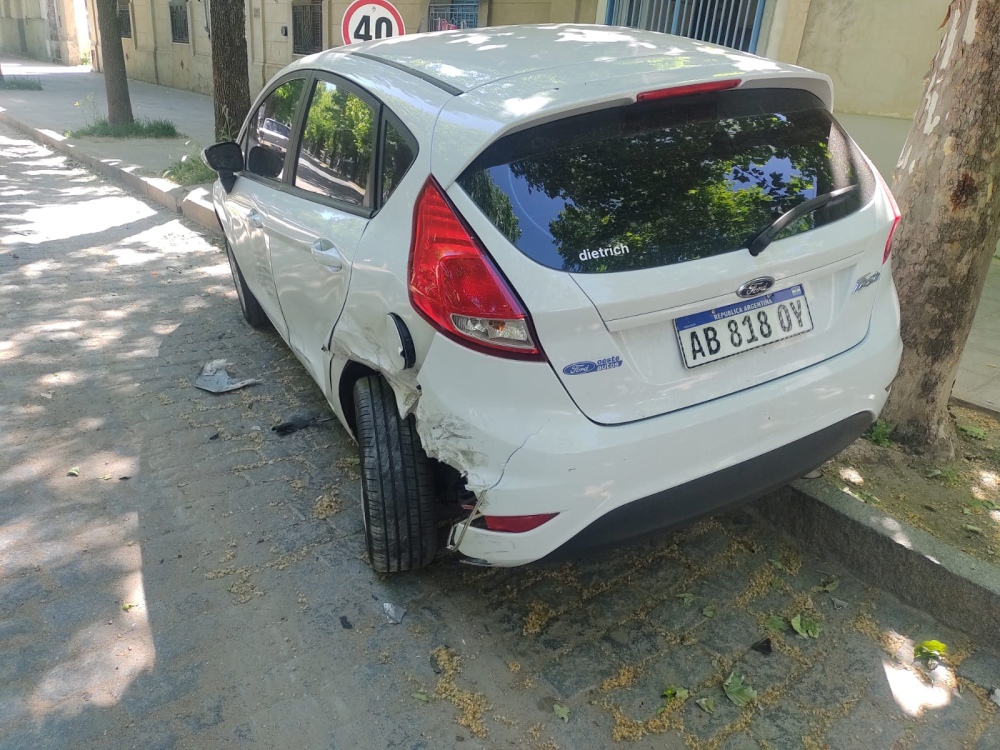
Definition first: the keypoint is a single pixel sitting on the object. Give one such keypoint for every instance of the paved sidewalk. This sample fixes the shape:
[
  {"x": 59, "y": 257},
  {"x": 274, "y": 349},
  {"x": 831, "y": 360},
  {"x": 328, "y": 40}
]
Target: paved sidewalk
[{"x": 73, "y": 97}]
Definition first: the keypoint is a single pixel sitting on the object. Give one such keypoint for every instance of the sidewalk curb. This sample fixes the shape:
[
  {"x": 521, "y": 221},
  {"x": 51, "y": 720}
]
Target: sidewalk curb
[
  {"x": 935, "y": 577},
  {"x": 168, "y": 194}
]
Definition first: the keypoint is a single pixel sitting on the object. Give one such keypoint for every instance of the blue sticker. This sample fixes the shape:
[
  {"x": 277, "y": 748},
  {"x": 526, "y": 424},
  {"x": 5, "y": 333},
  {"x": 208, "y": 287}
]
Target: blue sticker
[{"x": 584, "y": 368}]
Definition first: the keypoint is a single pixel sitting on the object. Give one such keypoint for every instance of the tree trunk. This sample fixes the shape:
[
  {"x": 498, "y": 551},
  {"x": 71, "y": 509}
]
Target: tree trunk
[
  {"x": 115, "y": 81},
  {"x": 947, "y": 181},
  {"x": 230, "y": 79},
  {"x": 1, "y": 75}
]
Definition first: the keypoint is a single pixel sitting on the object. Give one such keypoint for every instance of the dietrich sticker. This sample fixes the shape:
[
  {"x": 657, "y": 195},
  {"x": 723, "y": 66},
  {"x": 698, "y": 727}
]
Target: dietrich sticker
[{"x": 603, "y": 252}]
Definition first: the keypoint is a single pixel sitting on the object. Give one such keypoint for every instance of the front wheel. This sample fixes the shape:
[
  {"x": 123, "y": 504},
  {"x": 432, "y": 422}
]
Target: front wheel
[
  {"x": 253, "y": 313},
  {"x": 397, "y": 482}
]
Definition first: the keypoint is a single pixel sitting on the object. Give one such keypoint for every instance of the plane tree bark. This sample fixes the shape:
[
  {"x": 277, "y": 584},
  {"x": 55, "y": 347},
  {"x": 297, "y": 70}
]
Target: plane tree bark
[
  {"x": 230, "y": 78},
  {"x": 113, "y": 59},
  {"x": 947, "y": 182}
]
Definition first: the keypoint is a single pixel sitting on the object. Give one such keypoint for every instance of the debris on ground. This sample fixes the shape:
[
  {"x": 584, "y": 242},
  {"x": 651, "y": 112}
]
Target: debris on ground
[
  {"x": 393, "y": 613},
  {"x": 299, "y": 423},
  {"x": 763, "y": 647},
  {"x": 215, "y": 379}
]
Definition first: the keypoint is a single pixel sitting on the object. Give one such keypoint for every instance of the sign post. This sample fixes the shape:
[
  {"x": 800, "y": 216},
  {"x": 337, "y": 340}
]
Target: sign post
[{"x": 366, "y": 20}]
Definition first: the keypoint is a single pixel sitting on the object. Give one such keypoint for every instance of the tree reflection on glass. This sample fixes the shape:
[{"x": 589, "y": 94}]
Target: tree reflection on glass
[{"x": 642, "y": 188}]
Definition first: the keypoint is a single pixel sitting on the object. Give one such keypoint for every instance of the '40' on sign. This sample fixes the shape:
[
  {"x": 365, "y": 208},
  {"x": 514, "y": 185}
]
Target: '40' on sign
[{"x": 366, "y": 20}]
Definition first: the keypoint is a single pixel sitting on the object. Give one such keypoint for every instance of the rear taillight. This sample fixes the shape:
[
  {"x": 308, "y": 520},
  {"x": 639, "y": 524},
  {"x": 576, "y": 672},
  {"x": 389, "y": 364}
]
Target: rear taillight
[
  {"x": 455, "y": 286},
  {"x": 895, "y": 222},
  {"x": 517, "y": 524}
]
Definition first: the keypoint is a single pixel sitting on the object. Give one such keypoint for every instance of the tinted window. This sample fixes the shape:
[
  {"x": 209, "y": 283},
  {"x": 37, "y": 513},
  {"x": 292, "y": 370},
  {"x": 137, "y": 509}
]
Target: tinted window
[
  {"x": 666, "y": 182},
  {"x": 270, "y": 130},
  {"x": 397, "y": 156},
  {"x": 336, "y": 153}
]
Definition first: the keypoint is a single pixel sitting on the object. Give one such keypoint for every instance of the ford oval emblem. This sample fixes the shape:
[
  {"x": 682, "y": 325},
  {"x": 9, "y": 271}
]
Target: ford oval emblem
[
  {"x": 580, "y": 368},
  {"x": 755, "y": 286}
]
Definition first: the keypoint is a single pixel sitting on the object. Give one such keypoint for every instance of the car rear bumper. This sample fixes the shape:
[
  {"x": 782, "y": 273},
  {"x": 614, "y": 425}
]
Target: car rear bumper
[{"x": 528, "y": 450}]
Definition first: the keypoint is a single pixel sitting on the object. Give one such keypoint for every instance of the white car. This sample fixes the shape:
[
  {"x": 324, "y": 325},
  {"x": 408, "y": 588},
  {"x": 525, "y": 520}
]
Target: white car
[{"x": 565, "y": 284}]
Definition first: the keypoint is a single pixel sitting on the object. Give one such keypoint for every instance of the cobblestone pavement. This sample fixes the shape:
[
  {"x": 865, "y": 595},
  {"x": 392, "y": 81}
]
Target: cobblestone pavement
[{"x": 173, "y": 574}]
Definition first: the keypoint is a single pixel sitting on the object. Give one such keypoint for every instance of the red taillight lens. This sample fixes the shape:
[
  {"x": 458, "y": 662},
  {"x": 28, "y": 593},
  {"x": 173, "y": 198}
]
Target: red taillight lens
[
  {"x": 693, "y": 88},
  {"x": 517, "y": 524},
  {"x": 456, "y": 287},
  {"x": 895, "y": 223}
]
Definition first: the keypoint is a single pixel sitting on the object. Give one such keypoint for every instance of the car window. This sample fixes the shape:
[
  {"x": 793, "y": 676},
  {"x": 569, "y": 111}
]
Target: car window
[
  {"x": 397, "y": 156},
  {"x": 668, "y": 181},
  {"x": 335, "y": 154},
  {"x": 270, "y": 130}
]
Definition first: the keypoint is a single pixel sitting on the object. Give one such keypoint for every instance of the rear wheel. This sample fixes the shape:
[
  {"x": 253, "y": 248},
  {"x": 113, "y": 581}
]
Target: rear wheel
[
  {"x": 397, "y": 482},
  {"x": 252, "y": 311}
]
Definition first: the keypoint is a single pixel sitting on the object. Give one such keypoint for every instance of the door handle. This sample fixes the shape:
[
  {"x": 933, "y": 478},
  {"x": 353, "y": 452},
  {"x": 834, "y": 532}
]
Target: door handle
[
  {"x": 254, "y": 219},
  {"x": 326, "y": 254}
]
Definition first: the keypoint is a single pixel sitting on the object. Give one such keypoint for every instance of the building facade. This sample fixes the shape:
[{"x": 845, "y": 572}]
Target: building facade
[{"x": 45, "y": 29}]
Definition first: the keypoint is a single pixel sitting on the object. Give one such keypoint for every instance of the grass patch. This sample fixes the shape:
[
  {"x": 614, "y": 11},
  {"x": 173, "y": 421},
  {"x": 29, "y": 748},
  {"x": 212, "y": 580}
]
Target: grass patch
[
  {"x": 880, "y": 432},
  {"x": 20, "y": 83},
  {"x": 190, "y": 170},
  {"x": 141, "y": 128}
]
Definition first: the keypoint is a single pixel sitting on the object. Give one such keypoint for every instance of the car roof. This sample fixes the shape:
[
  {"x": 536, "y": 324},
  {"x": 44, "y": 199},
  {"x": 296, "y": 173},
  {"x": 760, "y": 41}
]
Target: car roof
[{"x": 463, "y": 60}]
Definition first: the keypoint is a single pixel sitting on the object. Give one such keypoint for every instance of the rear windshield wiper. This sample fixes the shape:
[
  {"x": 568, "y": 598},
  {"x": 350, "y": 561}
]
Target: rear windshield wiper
[{"x": 758, "y": 242}]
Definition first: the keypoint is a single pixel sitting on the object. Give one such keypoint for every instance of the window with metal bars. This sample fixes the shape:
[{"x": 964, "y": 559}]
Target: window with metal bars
[
  {"x": 179, "y": 30},
  {"x": 731, "y": 23},
  {"x": 307, "y": 27},
  {"x": 124, "y": 19}
]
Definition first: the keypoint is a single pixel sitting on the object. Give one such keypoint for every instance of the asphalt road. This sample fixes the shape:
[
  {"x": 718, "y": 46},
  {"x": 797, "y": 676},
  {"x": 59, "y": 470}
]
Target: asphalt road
[{"x": 175, "y": 575}]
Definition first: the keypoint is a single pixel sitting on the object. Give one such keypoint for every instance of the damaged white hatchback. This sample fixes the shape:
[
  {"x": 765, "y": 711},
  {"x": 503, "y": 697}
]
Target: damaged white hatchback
[{"x": 564, "y": 284}]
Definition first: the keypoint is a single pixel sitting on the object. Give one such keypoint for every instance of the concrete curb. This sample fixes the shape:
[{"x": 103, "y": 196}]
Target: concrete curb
[
  {"x": 168, "y": 194},
  {"x": 948, "y": 584}
]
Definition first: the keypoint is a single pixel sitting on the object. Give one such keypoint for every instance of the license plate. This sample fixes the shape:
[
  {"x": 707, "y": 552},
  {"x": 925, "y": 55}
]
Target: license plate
[{"x": 716, "y": 334}]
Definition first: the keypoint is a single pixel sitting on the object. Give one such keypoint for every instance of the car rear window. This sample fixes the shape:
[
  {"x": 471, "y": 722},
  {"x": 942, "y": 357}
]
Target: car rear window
[{"x": 667, "y": 181}]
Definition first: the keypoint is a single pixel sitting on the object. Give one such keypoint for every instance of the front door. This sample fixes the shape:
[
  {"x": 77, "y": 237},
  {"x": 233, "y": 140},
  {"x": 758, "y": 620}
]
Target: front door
[{"x": 315, "y": 226}]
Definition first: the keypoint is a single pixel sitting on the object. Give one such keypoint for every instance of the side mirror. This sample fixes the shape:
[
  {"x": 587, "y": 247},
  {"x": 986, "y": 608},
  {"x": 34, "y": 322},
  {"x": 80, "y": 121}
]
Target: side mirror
[
  {"x": 224, "y": 157},
  {"x": 227, "y": 159},
  {"x": 267, "y": 162}
]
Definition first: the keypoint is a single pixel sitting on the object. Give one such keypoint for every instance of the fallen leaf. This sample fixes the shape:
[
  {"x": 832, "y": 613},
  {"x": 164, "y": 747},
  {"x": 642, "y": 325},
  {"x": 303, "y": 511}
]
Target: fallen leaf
[
  {"x": 706, "y": 704},
  {"x": 74, "y": 472},
  {"x": 421, "y": 696},
  {"x": 672, "y": 692},
  {"x": 779, "y": 566},
  {"x": 127, "y": 606},
  {"x": 838, "y": 603},
  {"x": 738, "y": 691},
  {"x": 561, "y": 712},
  {"x": 106, "y": 477},
  {"x": 775, "y": 623},
  {"x": 805, "y": 627},
  {"x": 933, "y": 473},
  {"x": 827, "y": 584},
  {"x": 973, "y": 529},
  {"x": 686, "y": 598},
  {"x": 708, "y": 611},
  {"x": 929, "y": 650},
  {"x": 977, "y": 433}
]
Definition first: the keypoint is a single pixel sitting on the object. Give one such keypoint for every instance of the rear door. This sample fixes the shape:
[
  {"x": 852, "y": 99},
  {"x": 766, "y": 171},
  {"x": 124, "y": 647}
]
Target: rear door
[{"x": 651, "y": 207}]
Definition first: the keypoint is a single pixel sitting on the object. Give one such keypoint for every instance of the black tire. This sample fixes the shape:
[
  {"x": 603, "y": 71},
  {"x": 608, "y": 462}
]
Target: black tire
[
  {"x": 397, "y": 482},
  {"x": 249, "y": 306}
]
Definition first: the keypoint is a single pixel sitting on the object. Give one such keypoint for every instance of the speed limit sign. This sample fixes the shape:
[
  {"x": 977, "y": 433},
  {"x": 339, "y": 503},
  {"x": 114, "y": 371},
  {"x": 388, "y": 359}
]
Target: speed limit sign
[{"x": 366, "y": 20}]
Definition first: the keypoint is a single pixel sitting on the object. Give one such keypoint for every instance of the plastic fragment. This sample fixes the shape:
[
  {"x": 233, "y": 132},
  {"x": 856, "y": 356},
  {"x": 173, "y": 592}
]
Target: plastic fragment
[
  {"x": 215, "y": 379},
  {"x": 393, "y": 613}
]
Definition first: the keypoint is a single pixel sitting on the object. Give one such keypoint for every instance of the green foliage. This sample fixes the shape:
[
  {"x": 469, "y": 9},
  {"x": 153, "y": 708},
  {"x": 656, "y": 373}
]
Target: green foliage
[
  {"x": 805, "y": 627},
  {"x": 190, "y": 170},
  {"x": 738, "y": 691},
  {"x": 339, "y": 131},
  {"x": 140, "y": 128},
  {"x": 20, "y": 83},
  {"x": 561, "y": 712},
  {"x": 880, "y": 432},
  {"x": 685, "y": 598},
  {"x": 929, "y": 650},
  {"x": 973, "y": 431},
  {"x": 706, "y": 704}
]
